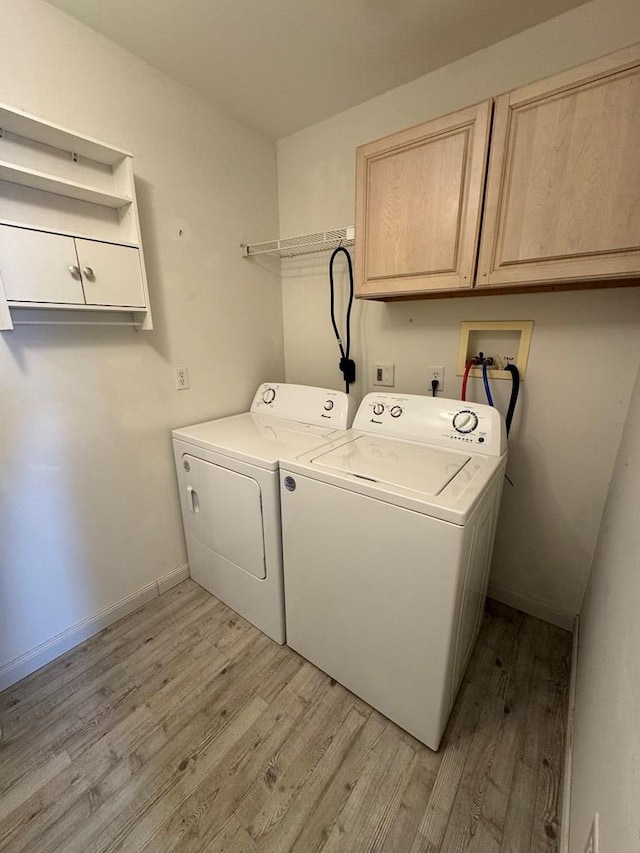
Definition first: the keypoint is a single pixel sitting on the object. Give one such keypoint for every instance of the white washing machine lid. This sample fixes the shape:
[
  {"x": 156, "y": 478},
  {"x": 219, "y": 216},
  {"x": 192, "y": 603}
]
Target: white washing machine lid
[
  {"x": 389, "y": 462},
  {"x": 260, "y": 440},
  {"x": 433, "y": 481}
]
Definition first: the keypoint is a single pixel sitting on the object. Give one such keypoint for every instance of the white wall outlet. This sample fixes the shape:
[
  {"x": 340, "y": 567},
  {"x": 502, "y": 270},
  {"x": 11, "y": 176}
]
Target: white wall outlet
[
  {"x": 182, "y": 378},
  {"x": 593, "y": 842},
  {"x": 384, "y": 374},
  {"x": 436, "y": 372}
]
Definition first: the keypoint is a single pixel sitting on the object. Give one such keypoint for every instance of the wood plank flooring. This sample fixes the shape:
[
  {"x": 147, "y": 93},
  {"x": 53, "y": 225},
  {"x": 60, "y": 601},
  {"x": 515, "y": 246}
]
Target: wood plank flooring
[{"x": 183, "y": 728}]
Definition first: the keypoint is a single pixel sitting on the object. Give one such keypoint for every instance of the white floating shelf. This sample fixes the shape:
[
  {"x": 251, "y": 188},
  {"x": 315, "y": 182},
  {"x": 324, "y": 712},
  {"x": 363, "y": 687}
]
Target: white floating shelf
[
  {"x": 321, "y": 241},
  {"x": 54, "y": 165},
  {"x": 80, "y": 306},
  {"x": 60, "y": 186},
  {"x": 83, "y": 235},
  {"x": 30, "y": 127}
]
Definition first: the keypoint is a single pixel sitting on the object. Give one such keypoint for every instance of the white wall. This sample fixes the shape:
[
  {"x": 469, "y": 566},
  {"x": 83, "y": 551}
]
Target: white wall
[
  {"x": 606, "y": 751},
  {"x": 585, "y": 349},
  {"x": 88, "y": 505}
]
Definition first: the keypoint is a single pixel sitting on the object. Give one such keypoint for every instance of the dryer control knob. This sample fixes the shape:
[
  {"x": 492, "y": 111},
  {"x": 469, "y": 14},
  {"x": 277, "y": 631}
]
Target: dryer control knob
[
  {"x": 328, "y": 405},
  {"x": 465, "y": 421},
  {"x": 396, "y": 411},
  {"x": 378, "y": 408},
  {"x": 268, "y": 396}
]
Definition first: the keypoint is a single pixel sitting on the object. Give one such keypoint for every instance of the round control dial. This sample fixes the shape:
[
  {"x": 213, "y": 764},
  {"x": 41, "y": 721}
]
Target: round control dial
[
  {"x": 378, "y": 408},
  {"x": 396, "y": 411},
  {"x": 465, "y": 421},
  {"x": 268, "y": 395},
  {"x": 328, "y": 405}
]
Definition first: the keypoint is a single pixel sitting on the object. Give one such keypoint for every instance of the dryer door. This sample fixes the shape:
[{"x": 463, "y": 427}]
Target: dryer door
[{"x": 224, "y": 513}]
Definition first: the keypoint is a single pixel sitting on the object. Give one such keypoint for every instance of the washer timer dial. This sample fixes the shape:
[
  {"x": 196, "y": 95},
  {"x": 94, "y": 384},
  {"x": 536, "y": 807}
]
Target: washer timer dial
[
  {"x": 465, "y": 421},
  {"x": 268, "y": 395}
]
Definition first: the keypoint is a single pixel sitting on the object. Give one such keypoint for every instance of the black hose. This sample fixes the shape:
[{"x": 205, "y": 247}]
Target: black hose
[
  {"x": 515, "y": 389},
  {"x": 347, "y": 365}
]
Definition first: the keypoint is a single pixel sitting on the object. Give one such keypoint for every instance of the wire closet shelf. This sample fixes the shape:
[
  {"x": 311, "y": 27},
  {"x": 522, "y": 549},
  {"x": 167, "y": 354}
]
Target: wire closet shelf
[{"x": 306, "y": 244}]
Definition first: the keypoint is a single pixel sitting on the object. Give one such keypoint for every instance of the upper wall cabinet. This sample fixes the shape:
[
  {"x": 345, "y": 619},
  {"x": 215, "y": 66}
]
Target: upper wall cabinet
[
  {"x": 563, "y": 192},
  {"x": 69, "y": 229},
  {"x": 418, "y": 202},
  {"x": 562, "y": 204}
]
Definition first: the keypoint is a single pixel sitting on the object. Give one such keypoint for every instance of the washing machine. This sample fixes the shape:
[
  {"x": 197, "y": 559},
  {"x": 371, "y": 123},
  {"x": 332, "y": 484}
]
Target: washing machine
[
  {"x": 387, "y": 538},
  {"x": 229, "y": 493}
]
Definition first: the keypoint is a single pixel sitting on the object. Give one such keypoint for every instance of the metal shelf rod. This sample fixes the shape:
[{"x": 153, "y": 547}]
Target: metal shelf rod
[{"x": 321, "y": 241}]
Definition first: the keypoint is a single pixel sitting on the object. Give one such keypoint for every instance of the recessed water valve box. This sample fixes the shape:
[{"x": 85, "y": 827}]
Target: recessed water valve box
[{"x": 502, "y": 342}]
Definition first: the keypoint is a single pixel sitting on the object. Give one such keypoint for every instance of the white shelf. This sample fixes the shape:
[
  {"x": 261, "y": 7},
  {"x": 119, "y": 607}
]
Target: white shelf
[
  {"x": 87, "y": 235},
  {"x": 59, "y": 183},
  {"x": 30, "y": 127},
  {"x": 60, "y": 186},
  {"x": 66, "y": 306},
  {"x": 306, "y": 244}
]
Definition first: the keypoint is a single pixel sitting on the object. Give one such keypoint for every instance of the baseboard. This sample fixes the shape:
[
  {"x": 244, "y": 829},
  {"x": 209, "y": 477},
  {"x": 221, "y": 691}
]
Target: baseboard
[
  {"x": 30, "y": 661},
  {"x": 539, "y": 609},
  {"x": 172, "y": 578},
  {"x": 565, "y": 802}
]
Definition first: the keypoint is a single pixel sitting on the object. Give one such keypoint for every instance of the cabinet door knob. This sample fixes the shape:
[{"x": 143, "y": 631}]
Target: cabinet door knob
[
  {"x": 88, "y": 272},
  {"x": 75, "y": 271}
]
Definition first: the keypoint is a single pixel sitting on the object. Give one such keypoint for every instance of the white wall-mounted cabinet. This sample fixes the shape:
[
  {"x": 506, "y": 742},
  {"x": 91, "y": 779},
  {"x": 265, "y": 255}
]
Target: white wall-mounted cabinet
[
  {"x": 69, "y": 229},
  {"x": 39, "y": 267},
  {"x": 111, "y": 275}
]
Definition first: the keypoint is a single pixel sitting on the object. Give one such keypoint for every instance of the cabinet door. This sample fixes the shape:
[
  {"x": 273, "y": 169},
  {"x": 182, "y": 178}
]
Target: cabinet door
[
  {"x": 111, "y": 274},
  {"x": 418, "y": 205},
  {"x": 39, "y": 267},
  {"x": 563, "y": 193}
]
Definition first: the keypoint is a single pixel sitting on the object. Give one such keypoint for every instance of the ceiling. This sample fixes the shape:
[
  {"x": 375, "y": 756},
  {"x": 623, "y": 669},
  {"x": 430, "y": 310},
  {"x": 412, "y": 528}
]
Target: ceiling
[{"x": 281, "y": 65}]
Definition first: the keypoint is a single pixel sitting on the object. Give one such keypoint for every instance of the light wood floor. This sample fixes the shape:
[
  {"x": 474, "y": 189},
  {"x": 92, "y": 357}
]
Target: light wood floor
[{"x": 183, "y": 728}]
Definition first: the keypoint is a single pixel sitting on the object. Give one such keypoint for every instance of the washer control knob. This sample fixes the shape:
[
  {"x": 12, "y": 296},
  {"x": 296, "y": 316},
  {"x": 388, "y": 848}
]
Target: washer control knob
[
  {"x": 328, "y": 405},
  {"x": 289, "y": 484},
  {"x": 269, "y": 395},
  {"x": 378, "y": 408},
  {"x": 465, "y": 421},
  {"x": 396, "y": 411}
]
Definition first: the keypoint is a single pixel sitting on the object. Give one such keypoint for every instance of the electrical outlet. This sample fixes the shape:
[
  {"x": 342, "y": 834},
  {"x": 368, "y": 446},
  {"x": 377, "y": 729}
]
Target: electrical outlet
[
  {"x": 182, "y": 378},
  {"x": 437, "y": 373},
  {"x": 593, "y": 842},
  {"x": 384, "y": 374}
]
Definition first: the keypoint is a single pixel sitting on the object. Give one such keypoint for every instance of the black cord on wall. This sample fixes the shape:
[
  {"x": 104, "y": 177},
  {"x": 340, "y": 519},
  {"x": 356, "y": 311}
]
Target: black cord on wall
[
  {"x": 346, "y": 364},
  {"x": 515, "y": 389}
]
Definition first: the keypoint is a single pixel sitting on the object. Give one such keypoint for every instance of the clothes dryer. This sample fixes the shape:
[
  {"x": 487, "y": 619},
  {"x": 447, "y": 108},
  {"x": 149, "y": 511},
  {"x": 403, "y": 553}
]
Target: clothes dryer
[
  {"x": 229, "y": 493},
  {"x": 387, "y": 537}
]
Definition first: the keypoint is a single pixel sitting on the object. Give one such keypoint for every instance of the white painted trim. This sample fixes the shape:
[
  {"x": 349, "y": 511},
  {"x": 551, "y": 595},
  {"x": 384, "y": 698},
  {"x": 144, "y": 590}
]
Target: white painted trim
[
  {"x": 172, "y": 578},
  {"x": 565, "y": 806},
  {"x": 30, "y": 661},
  {"x": 539, "y": 609}
]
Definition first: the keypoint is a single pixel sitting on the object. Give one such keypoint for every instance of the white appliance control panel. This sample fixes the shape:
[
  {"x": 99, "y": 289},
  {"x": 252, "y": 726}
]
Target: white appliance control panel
[
  {"x": 434, "y": 420},
  {"x": 303, "y": 403}
]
